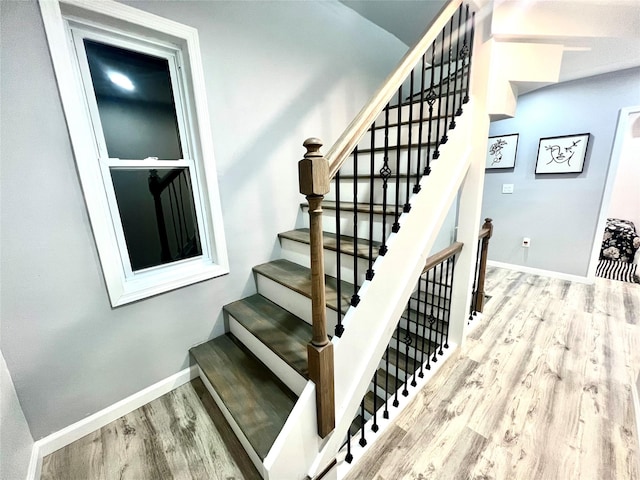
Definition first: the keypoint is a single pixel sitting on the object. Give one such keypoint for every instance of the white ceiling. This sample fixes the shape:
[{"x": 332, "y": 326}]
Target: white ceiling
[{"x": 599, "y": 36}]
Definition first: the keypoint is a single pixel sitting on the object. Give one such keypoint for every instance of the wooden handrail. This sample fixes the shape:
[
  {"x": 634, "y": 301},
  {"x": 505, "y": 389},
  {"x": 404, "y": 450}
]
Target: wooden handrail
[
  {"x": 442, "y": 255},
  {"x": 343, "y": 147}
]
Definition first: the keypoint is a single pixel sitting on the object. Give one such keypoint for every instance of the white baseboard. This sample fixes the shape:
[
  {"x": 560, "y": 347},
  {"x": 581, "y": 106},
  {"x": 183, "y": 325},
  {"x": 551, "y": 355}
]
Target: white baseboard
[
  {"x": 541, "y": 272},
  {"x": 70, "y": 434}
]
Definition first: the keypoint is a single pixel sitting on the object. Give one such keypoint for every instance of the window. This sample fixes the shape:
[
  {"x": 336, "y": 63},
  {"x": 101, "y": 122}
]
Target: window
[{"x": 133, "y": 94}]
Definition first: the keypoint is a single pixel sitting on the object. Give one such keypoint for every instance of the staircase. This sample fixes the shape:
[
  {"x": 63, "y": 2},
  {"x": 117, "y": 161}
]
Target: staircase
[{"x": 390, "y": 311}]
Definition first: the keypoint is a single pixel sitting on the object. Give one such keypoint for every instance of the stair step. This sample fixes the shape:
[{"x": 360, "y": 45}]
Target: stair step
[
  {"x": 282, "y": 332},
  {"x": 368, "y": 402},
  {"x": 414, "y": 339},
  {"x": 397, "y": 358},
  {"x": 257, "y": 400},
  {"x": 411, "y": 315},
  {"x": 360, "y": 207},
  {"x": 330, "y": 242},
  {"x": 381, "y": 126},
  {"x": 413, "y": 146},
  {"x": 356, "y": 425},
  {"x": 298, "y": 279}
]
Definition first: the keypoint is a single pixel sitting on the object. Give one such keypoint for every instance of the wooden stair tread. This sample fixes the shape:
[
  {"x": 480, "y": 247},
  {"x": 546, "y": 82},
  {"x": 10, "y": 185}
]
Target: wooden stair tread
[
  {"x": 257, "y": 400},
  {"x": 380, "y": 376},
  {"x": 361, "y": 207},
  {"x": 397, "y": 358},
  {"x": 368, "y": 402},
  {"x": 330, "y": 242},
  {"x": 298, "y": 279},
  {"x": 281, "y": 331},
  {"x": 356, "y": 425}
]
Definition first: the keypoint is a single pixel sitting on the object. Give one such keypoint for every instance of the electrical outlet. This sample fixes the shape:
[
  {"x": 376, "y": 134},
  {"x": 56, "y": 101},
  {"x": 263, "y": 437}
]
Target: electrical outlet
[
  {"x": 526, "y": 242},
  {"x": 507, "y": 188}
]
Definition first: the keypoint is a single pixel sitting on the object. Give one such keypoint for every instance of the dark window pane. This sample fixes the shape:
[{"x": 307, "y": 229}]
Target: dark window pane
[
  {"x": 158, "y": 215},
  {"x": 135, "y": 102}
]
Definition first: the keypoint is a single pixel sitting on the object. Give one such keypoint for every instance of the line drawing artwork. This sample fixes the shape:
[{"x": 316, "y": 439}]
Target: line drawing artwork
[
  {"x": 562, "y": 154},
  {"x": 501, "y": 151},
  {"x": 495, "y": 150}
]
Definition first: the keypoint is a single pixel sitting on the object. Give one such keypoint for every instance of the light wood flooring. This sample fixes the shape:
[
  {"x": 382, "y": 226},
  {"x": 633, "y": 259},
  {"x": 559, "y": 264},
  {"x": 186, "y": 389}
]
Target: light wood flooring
[{"x": 541, "y": 390}]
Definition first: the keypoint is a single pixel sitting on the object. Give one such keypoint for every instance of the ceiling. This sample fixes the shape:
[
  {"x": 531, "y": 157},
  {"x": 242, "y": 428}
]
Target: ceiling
[{"x": 599, "y": 36}]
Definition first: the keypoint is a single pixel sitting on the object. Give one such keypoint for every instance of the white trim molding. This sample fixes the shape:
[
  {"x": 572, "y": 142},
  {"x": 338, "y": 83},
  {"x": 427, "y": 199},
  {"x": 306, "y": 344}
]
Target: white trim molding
[
  {"x": 75, "y": 431},
  {"x": 123, "y": 21},
  {"x": 541, "y": 272}
]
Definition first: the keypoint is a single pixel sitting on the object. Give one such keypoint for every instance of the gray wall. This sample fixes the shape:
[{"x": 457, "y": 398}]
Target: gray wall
[
  {"x": 276, "y": 73},
  {"x": 16, "y": 441},
  {"x": 558, "y": 212}
]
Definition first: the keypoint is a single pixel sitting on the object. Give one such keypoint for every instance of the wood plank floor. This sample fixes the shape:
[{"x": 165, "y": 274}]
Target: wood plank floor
[
  {"x": 541, "y": 390},
  {"x": 178, "y": 436}
]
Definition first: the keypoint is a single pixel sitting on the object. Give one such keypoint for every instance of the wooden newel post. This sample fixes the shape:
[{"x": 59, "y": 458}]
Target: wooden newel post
[
  {"x": 313, "y": 171},
  {"x": 487, "y": 226}
]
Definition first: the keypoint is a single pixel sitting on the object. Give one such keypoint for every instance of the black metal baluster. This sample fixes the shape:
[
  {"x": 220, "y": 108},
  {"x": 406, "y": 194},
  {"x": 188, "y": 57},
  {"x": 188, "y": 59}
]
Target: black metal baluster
[
  {"x": 459, "y": 64},
  {"x": 385, "y": 414},
  {"x": 445, "y": 138},
  {"x": 416, "y": 358},
  {"x": 407, "y": 205},
  {"x": 465, "y": 56},
  {"x": 416, "y": 187},
  {"x": 473, "y": 30},
  {"x": 395, "y": 401},
  {"x": 355, "y": 298},
  {"x": 451, "y": 262},
  {"x": 423, "y": 303},
  {"x": 474, "y": 293},
  {"x": 375, "y": 427},
  {"x": 370, "y": 272},
  {"x": 396, "y": 223},
  {"x": 441, "y": 301},
  {"x": 413, "y": 381},
  {"x": 349, "y": 457},
  {"x": 385, "y": 173},
  {"x": 454, "y": 111},
  {"x": 431, "y": 317},
  {"x": 407, "y": 343},
  {"x": 363, "y": 441},
  {"x": 339, "y": 330},
  {"x": 436, "y": 153},
  {"x": 431, "y": 99}
]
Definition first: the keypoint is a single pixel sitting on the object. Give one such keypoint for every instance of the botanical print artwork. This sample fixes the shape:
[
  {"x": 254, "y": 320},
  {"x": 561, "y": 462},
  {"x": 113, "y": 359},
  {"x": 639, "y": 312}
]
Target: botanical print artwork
[
  {"x": 501, "y": 151},
  {"x": 562, "y": 154}
]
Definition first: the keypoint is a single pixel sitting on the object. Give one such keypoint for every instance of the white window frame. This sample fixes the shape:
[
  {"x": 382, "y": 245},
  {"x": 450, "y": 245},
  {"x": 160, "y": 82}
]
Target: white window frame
[{"x": 124, "y": 25}]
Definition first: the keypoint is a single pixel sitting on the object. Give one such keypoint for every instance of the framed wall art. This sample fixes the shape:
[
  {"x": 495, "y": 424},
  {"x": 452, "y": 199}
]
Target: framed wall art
[
  {"x": 563, "y": 154},
  {"x": 501, "y": 151}
]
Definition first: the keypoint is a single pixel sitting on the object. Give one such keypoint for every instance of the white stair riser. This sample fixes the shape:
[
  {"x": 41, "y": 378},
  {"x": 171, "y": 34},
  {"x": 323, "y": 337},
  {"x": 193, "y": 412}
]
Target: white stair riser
[
  {"x": 364, "y": 187},
  {"x": 364, "y": 162},
  {"x": 346, "y": 223},
  {"x": 292, "y": 301},
  {"x": 298, "y": 252},
  {"x": 277, "y": 365}
]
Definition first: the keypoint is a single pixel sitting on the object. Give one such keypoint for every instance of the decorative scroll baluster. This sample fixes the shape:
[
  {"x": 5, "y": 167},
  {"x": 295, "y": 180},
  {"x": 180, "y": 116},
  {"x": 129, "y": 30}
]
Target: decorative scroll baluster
[
  {"x": 407, "y": 205},
  {"x": 355, "y": 298},
  {"x": 436, "y": 153},
  {"x": 385, "y": 173},
  {"x": 431, "y": 99},
  {"x": 431, "y": 317},
  {"x": 455, "y": 71},
  {"x": 313, "y": 172},
  {"x": 442, "y": 301},
  {"x": 422, "y": 282},
  {"x": 407, "y": 343},
  {"x": 372, "y": 157},
  {"x": 416, "y": 186},
  {"x": 445, "y": 138},
  {"x": 396, "y": 223},
  {"x": 395, "y": 400}
]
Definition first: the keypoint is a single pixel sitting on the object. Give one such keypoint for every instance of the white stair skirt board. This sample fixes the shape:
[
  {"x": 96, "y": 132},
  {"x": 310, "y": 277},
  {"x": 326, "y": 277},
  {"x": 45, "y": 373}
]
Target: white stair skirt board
[
  {"x": 277, "y": 365},
  {"x": 298, "y": 252},
  {"x": 234, "y": 426},
  {"x": 346, "y": 223},
  {"x": 75, "y": 431},
  {"x": 358, "y": 451},
  {"x": 292, "y": 301},
  {"x": 541, "y": 272}
]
